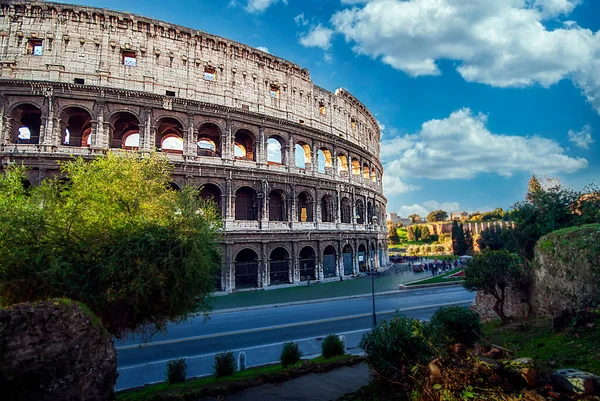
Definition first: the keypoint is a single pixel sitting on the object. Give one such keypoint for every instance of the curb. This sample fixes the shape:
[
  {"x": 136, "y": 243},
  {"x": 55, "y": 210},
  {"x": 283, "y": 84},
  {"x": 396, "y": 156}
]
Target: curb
[{"x": 404, "y": 287}]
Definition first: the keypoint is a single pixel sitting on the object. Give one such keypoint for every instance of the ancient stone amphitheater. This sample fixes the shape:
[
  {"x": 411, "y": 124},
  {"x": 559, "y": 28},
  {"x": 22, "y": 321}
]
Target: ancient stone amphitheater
[{"x": 293, "y": 167}]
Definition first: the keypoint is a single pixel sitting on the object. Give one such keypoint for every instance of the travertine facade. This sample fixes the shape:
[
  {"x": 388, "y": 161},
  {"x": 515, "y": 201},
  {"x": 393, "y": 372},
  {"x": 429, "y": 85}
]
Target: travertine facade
[{"x": 295, "y": 168}]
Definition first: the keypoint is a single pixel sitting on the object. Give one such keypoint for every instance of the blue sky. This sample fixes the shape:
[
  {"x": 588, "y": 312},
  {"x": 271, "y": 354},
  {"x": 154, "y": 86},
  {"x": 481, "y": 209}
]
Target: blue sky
[{"x": 474, "y": 96}]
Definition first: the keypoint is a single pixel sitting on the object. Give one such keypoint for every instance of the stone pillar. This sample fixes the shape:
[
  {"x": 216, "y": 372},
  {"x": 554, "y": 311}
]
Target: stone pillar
[
  {"x": 319, "y": 266},
  {"x": 291, "y": 153},
  {"x": 314, "y": 159},
  {"x": 188, "y": 138},
  {"x": 264, "y": 266},
  {"x": 261, "y": 157},
  {"x": 292, "y": 211},
  {"x": 46, "y": 137},
  {"x": 355, "y": 256},
  {"x": 98, "y": 133},
  {"x": 227, "y": 141},
  {"x": 295, "y": 267},
  {"x": 229, "y": 269},
  {"x": 339, "y": 265},
  {"x": 338, "y": 206},
  {"x": 264, "y": 217},
  {"x": 230, "y": 200},
  {"x": 148, "y": 135}
]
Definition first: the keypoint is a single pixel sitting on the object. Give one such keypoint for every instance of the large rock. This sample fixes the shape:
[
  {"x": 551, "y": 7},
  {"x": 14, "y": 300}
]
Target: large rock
[
  {"x": 566, "y": 271},
  {"x": 515, "y": 305},
  {"x": 54, "y": 350}
]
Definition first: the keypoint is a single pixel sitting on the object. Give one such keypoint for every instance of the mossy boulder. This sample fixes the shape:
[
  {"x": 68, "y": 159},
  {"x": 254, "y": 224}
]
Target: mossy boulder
[
  {"x": 55, "y": 350},
  {"x": 566, "y": 271}
]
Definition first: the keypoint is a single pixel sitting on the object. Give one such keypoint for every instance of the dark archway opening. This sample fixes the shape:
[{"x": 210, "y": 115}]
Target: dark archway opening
[
  {"x": 347, "y": 260},
  {"x": 209, "y": 140},
  {"x": 213, "y": 193},
  {"x": 362, "y": 258},
  {"x": 346, "y": 212},
  {"x": 327, "y": 209},
  {"x": 76, "y": 127},
  {"x": 246, "y": 204},
  {"x": 329, "y": 261},
  {"x": 124, "y": 131},
  {"x": 360, "y": 212},
  {"x": 276, "y": 206},
  {"x": 279, "y": 266},
  {"x": 307, "y": 264},
  {"x": 27, "y": 123},
  {"x": 305, "y": 208},
  {"x": 246, "y": 269}
]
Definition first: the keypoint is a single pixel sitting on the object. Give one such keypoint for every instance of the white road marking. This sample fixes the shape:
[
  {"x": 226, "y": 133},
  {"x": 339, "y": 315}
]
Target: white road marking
[{"x": 281, "y": 326}]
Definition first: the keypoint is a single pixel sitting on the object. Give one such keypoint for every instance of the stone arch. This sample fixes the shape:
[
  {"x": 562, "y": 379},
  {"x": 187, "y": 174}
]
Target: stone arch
[
  {"x": 342, "y": 165},
  {"x": 303, "y": 155},
  {"x": 75, "y": 126},
  {"x": 325, "y": 160},
  {"x": 369, "y": 212},
  {"x": 209, "y": 140},
  {"x": 213, "y": 193},
  {"x": 244, "y": 142},
  {"x": 355, "y": 166},
  {"x": 169, "y": 135},
  {"x": 279, "y": 266},
  {"x": 246, "y": 204},
  {"x": 360, "y": 211},
  {"x": 366, "y": 171},
  {"x": 373, "y": 175},
  {"x": 246, "y": 269},
  {"x": 348, "y": 260},
  {"x": 277, "y": 206},
  {"x": 275, "y": 153},
  {"x": 327, "y": 209},
  {"x": 346, "y": 210},
  {"x": 329, "y": 261},
  {"x": 362, "y": 257},
  {"x": 305, "y": 206},
  {"x": 124, "y": 130},
  {"x": 27, "y": 123},
  {"x": 307, "y": 262}
]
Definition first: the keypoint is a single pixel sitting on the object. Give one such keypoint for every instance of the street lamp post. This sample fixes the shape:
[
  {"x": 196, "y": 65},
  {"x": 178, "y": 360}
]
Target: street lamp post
[{"x": 374, "y": 220}]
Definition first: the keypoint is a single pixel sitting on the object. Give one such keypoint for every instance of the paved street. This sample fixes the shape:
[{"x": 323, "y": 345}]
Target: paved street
[{"x": 261, "y": 333}]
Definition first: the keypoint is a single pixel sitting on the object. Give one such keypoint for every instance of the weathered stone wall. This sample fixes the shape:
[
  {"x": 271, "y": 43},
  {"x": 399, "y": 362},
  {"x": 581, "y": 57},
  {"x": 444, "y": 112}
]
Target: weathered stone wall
[
  {"x": 54, "y": 350},
  {"x": 90, "y": 43},
  {"x": 515, "y": 307},
  {"x": 566, "y": 270}
]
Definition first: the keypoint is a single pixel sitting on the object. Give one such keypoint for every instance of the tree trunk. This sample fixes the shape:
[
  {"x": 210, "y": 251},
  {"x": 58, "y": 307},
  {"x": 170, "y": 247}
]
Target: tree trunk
[{"x": 499, "y": 307}]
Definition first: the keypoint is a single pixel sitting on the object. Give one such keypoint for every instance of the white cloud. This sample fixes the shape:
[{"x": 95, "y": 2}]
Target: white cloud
[
  {"x": 300, "y": 20},
  {"x": 274, "y": 151},
  {"x": 395, "y": 186},
  {"x": 264, "y": 49},
  {"x": 328, "y": 58},
  {"x": 461, "y": 146},
  {"x": 318, "y": 36},
  {"x": 582, "y": 139},
  {"x": 427, "y": 207},
  {"x": 259, "y": 6},
  {"x": 499, "y": 43}
]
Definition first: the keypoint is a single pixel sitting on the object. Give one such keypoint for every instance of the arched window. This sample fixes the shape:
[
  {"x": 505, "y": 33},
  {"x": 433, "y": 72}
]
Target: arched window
[
  {"x": 209, "y": 140},
  {"x": 307, "y": 264},
  {"x": 172, "y": 144},
  {"x": 244, "y": 145},
  {"x": 77, "y": 124},
  {"x": 360, "y": 212},
  {"x": 279, "y": 266},
  {"x": 355, "y": 167},
  {"x": 276, "y": 207},
  {"x": 213, "y": 193},
  {"x": 346, "y": 212},
  {"x": 327, "y": 209},
  {"x": 342, "y": 165},
  {"x": 373, "y": 175},
  {"x": 329, "y": 261},
  {"x": 347, "y": 256},
  {"x": 369, "y": 212},
  {"x": 274, "y": 151},
  {"x": 366, "y": 172},
  {"x": 246, "y": 269},
  {"x": 124, "y": 131},
  {"x": 324, "y": 159},
  {"x": 246, "y": 204},
  {"x": 169, "y": 135},
  {"x": 302, "y": 151},
  {"x": 206, "y": 144},
  {"x": 305, "y": 208},
  {"x": 28, "y": 122}
]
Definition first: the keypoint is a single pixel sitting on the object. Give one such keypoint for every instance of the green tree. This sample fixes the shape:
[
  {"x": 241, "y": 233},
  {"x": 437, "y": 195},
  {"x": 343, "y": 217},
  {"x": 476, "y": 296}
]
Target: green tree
[
  {"x": 414, "y": 217},
  {"x": 458, "y": 239},
  {"x": 410, "y": 233},
  {"x": 424, "y": 233},
  {"x": 114, "y": 236},
  {"x": 437, "y": 215},
  {"x": 468, "y": 241},
  {"x": 418, "y": 230},
  {"x": 492, "y": 238},
  {"x": 393, "y": 234},
  {"x": 492, "y": 272}
]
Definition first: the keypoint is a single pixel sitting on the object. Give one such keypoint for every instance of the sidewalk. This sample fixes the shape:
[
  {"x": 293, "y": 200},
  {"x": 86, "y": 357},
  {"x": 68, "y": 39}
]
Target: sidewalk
[
  {"x": 313, "y": 387},
  {"x": 347, "y": 288}
]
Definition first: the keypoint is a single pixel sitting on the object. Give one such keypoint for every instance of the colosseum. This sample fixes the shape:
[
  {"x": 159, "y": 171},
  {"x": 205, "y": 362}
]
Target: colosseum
[{"x": 294, "y": 168}]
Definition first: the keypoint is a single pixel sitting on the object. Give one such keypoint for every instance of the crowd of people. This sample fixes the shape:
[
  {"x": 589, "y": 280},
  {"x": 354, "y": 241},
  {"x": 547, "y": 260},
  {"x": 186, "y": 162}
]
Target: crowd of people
[{"x": 419, "y": 264}]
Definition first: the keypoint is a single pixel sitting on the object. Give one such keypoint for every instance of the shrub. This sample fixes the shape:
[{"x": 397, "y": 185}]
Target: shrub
[
  {"x": 290, "y": 354},
  {"x": 332, "y": 346},
  {"x": 455, "y": 324},
  {"x": 394, "y": 346},
  {"x": 224, "y": 364},
  {"x": 176, "y": 371}
]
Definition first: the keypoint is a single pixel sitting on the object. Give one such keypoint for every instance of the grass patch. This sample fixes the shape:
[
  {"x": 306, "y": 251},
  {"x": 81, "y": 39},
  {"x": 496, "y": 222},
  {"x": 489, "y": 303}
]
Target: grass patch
[
  {"x": 196, "y": 385},
  {"x": 439, "y": 278},
  {"x": 551, "y": 350}
]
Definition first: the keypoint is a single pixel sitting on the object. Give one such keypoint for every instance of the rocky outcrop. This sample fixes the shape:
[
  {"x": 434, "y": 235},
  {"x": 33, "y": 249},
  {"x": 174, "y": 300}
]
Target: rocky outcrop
[
  {"x": 566, "y": 271},
  {"x": 515, "y": 305},
  {"x": 55, "y": 350}
]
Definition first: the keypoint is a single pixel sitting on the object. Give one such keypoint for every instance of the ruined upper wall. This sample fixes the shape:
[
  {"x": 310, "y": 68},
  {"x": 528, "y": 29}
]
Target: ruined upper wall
[{"x": 91, "y": 44}]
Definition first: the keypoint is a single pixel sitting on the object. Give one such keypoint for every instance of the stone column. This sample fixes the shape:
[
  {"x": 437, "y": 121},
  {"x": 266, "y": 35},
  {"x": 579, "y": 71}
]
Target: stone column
[
  {"x": 226, "y": 141},
  {"x": 188, "y": 137},
  {"x": 295, "y": 266},
  {"x": 47, "y": 127},
  {"x": 291, "y": 153},
  {"x": 230, "y": 200},
  {"x": 292, "y": 211},
  {"x": 264, "y": 217},
  {"x": 229, "y": 269},
  {"x": 261, "y": 157},
  {"x": 319, "y": 274},
  {"x": 148, "y": 135},
  {"x": 339, "y": 262},
  {"x": 264, "y": 266},
  {"x": 355, "y": 256},
  {"x": 98, "y": 133},
  {"x": 338, "y": 206}
]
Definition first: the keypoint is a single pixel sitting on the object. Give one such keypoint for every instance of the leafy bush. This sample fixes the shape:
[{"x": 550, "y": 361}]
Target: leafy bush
[
  {"x": 394, "y": 346},
  {"x": 290, "y": 354},
  {"x": 176, "y": 371},
  {"x": 224, "y": 364},
  {"x": 332, "y": 346},
  {"x": 455, "y": 324}
]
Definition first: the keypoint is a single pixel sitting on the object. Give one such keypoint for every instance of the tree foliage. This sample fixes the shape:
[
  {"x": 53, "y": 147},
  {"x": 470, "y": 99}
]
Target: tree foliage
[
  {"x": 113, "y": 235},
  {"x": 393, "y": 234},
  {"x": 414, "y": 217},
  {"x": 492, "y": 272},
  {"x": 437, "y": 215},
  {"x": 492, "y": 238},
  {"x": 424, "y": 233}
]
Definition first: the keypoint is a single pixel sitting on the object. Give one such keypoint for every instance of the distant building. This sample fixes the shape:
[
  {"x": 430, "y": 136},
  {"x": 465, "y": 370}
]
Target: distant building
[
  {"x": 462, "y": 216},
  {"x": 393, "y": 218}
]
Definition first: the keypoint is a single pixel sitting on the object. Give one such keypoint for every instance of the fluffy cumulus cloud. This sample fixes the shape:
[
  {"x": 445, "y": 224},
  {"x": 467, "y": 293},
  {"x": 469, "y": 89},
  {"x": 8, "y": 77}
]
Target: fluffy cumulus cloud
[
  {"x": 427, "y": 207},
  {"x": 499, "y": 43},
  {"x": 460, "y": 146},
  {"x": 317, "y": 36},
  {"x": 582, "y": 139},
  {"x": 393, "y": 185},
  {"x": 300, "y": 20},
  {"x": 259, "y": 6}
]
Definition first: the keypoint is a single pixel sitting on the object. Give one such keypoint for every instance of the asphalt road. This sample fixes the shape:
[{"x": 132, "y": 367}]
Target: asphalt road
[{"x": 261, "y": 333}]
